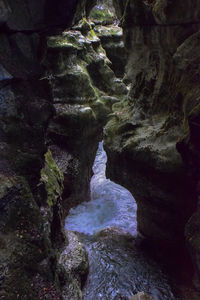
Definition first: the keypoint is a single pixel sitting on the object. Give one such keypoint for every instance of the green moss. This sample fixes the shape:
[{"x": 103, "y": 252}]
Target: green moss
[
  {"x": 91, "y": 88},
  {"x": 53, "y": 178},
  {"x": 112, "y": 126},
  {"x": 92, "y": 35},
  {"x": 63, "y": 41},
  {"x": 100, "y": 110},
  {"x": 101, "y": 15},
  {"x": 84, "y": 26}
]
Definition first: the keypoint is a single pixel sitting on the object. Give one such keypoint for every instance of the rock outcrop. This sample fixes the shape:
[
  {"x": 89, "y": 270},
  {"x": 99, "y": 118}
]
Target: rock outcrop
[
  {"x": 152, "y": 138},
  {"x": 112, "y": 41},
  {"x": 31, "y": 183},
  {"x": 110, "y": 34},
  {"x": 84, "y": 88},
  {"x": 56, "y": 90}
]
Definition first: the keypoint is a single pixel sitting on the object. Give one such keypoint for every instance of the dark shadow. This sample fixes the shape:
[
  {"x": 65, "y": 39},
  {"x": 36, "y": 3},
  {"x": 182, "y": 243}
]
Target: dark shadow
[{"x": 60, "y": 13}]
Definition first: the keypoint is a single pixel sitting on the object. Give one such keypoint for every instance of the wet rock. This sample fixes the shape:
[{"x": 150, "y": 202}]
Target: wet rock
[
  {"x": 118, "y": 269},
  {"x": 141, "y": 296},
  {"x": 74, "y": 258},
  {"x": 74, "y": 261}
]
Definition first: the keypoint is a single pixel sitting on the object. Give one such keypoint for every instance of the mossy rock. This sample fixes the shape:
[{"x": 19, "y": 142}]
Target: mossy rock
[
  {"x": 52, "y": 178},
  {"x": 101, "y": 110},
  {"x": 79, "y": 120},
  {"x": 74, "y": 85},
  {"x": 102, "y": 15},
  {"x": 23, "y": 242}
]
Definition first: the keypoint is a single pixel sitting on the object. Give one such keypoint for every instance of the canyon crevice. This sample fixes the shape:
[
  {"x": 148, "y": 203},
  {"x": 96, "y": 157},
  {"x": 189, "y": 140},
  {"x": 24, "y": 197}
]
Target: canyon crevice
[{"x": 62, "y": 79}]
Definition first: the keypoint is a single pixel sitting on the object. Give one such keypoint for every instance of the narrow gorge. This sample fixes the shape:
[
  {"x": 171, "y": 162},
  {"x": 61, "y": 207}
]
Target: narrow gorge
[{"x": 99, "y": 149}]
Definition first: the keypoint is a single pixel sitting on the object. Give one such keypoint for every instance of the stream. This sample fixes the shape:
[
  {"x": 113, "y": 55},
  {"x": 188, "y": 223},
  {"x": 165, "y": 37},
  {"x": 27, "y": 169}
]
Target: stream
[{"x": 108, "y": 228}]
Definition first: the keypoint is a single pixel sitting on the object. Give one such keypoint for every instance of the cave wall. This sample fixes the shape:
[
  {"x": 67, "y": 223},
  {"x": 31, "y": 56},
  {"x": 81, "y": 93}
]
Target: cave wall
[
  {"x": 152, "y": 140},
  {"x": 84, "y": 87},
  {"x": 56, "y": 91},
  {"x": 31, "y": 211}
]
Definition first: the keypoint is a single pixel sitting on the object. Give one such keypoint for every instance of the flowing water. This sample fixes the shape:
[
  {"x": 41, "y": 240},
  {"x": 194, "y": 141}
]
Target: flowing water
[
  {"x": 108, "y": 228},
  {"x": 110, "y": 205}
]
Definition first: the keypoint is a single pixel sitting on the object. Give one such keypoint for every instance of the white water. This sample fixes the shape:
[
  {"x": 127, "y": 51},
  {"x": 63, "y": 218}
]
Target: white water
[
  {"x": 118, "y": 267},
  {"x": 111, "y": 205}
]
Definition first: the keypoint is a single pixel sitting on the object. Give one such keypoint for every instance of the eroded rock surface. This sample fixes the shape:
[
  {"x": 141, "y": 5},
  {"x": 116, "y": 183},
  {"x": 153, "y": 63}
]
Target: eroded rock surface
[
  {"x": 56, "y": 90},
  {"x": 112, "y": 41},
  {"x": 152, "y": 138},
  {"x": 84, "y": 89}
]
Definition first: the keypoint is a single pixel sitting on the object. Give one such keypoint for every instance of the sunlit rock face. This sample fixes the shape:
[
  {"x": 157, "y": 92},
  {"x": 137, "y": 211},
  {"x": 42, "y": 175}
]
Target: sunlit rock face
[{"x": 143, "y": 139}]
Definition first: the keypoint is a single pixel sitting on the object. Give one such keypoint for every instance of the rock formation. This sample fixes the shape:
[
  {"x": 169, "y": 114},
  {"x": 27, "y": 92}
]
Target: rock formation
[
  {"x": 152, "y": 138},
  {"x": 31, "y": 183},
  {"x": 110, "y": 34},
  {"x": 84, "y": 88},
  {"x": 56, "y": 90}
]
